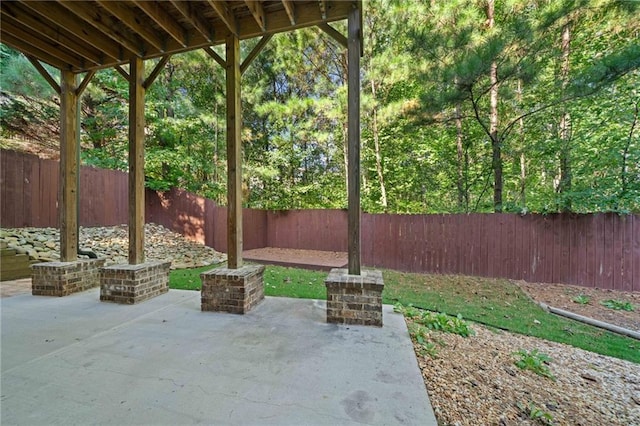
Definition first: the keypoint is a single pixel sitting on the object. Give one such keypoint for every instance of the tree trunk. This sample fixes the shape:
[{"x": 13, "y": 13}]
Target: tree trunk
[
  {"x": 565, "y": 124},
  {"x": 523, "y": 160},
  {"x": 376, "y": 143},
  {"x": 493, "y": 122},
  {"x": 462, "y": 196}
]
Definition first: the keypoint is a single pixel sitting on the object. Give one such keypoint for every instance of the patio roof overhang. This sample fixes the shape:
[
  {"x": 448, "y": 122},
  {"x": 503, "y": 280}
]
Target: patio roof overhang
[
  {"x": 84, "y": 36},
  {"x": 80, "y": 36}
]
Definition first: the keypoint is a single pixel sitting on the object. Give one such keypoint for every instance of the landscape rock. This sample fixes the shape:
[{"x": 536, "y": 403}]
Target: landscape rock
[{"x": 43, "y": 245}]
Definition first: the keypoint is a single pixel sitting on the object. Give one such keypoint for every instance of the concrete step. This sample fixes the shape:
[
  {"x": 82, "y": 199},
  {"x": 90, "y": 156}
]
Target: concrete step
[
  {"x": 14, "y": 266},
  {"x": 4, "y": 252}
]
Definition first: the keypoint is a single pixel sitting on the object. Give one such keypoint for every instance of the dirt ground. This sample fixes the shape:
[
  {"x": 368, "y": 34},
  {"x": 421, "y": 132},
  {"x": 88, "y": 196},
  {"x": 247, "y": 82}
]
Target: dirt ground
[{"x": 562, "y": 296}]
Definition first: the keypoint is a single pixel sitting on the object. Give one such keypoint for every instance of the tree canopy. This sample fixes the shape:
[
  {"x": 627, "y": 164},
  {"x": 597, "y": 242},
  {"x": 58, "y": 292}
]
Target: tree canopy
[{"x": 491, "y": 105}]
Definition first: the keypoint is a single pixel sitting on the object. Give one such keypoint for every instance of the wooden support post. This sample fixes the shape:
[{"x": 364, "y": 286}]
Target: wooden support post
[
  {"x": 234, "y": 154},
  {"x": 353, "y": 118},
  {"x": 136, "y": 161},
  {"x": 69, "y": 168}
]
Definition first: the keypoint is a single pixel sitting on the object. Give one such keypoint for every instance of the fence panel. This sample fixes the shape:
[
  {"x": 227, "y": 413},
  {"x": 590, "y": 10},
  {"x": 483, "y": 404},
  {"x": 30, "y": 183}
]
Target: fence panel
[{"x": 598, "y": 250}]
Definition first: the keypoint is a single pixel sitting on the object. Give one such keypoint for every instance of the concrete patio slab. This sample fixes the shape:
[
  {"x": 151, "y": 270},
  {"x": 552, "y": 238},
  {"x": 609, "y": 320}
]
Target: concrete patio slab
[{"x": 75, "y": 360}]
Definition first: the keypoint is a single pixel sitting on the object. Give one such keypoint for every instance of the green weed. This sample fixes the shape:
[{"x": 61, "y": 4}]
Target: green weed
[
  {"x": 536, "y": 413},
  {"x": 534, "y": 361},
  {"x": 617, "y": 305},
  {"x": 582, "y": 299},
  {"x": 420, "y": 335},
  {"x": 437, "y": 321}
]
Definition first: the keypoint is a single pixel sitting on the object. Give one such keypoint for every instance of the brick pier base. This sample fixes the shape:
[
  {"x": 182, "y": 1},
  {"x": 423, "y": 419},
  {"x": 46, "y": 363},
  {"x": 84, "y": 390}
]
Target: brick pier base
[
  {"x": 65, "y": 278},
  {"x": 232, "y": 290},
  {"x": 354, "y": 299},
  {"x": 129, "y": 284}
]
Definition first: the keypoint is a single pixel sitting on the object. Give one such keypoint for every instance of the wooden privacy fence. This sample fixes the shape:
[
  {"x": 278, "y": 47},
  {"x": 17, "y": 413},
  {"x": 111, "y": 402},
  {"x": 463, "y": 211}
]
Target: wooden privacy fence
[{"x": 594, "y": 250}]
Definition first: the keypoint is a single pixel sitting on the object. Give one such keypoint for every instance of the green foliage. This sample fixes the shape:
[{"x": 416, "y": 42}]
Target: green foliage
[
  {"x": 582, "y": 299},
  {"x": 425, "y": 145},
  {"x": 420, "y": 335},
  {"x": 536, "y": 413},
  {"x": 618, "y": 305},
  {"x": 534, "y": 361},
  {"x": 436, "y": 321}
]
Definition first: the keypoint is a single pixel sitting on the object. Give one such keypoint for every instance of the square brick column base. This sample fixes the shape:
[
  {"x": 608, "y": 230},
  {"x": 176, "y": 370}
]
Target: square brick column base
[
  {"x": 232, "y": 290},
  {"x": 65, "y": 278},
  {"x": 354, "y": 299},
  {"x": 129, "y": 284}
]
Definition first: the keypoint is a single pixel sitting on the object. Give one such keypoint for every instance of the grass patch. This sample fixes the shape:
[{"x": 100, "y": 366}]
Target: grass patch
[
  {"x": 188, "y": 279},
  {"x": 501, "y": 304},
  {"x": 497, "y": 303},
  {"x": 291, "y": 282},
  {"x": 278, "y": 281}
]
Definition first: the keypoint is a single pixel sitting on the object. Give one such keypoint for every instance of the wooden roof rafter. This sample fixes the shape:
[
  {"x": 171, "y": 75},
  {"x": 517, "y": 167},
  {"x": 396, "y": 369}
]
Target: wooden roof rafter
[
  {"x": 290, "y": 7},
  {"x": 164, "y": 19},
  {"x": 97, "y": 19},
  {"x": 128, "y": 17},
  {"x": 59, "y": 17},
  {"x": 225, "y": 15},
  {"x": 89, "y": 35},
  {"x": 194, "y": 18}
]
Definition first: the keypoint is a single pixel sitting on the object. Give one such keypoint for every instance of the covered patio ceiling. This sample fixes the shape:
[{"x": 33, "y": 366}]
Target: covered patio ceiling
[{"x": 80, "y": 36}]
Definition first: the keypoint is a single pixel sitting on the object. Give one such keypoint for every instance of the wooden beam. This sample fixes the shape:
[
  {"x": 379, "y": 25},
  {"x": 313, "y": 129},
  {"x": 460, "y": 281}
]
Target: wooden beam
[
  {"x": 216, "y": 57},
  {"x": 290, "y": 8},
  {"x": 44, "y": 73},
  {"x": 17, "y": 43},
  {"x": 323, "y": 8},
  {"x": 256, "y": 9},
  {"x": 234, "y": 154},
  {"x": 136, "y": 161},
  {"x": 43, "y": 45},
  {"x": 123, "y": 72},
  {"x": 61, "y": 17},
  {"x": 353, "y": 117},
  {"x": 186, "y": 9},
  {"x": 85, "y": 81},
  {"x": 222, "y": 10},
  {"x": 69, "y": 168},
  {"x": 11, "y": 13},
  {"x": 124, "y": 13},
  {"x": 254, "y": 52},
  {"x": 92, "y": 15},
  {"x": 154, "y": 10},
  {"x": 154, "y": 74},
  {"x": 335, "y": 34}
]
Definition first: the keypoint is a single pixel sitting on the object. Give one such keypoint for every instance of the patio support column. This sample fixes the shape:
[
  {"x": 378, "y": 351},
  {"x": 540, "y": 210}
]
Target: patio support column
[
  {"x": 69, "y": 167},
  {"x": 136, "y": 161},
  {"x": 354, "y": 44},
  {"x": 234, "y": 154}
]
